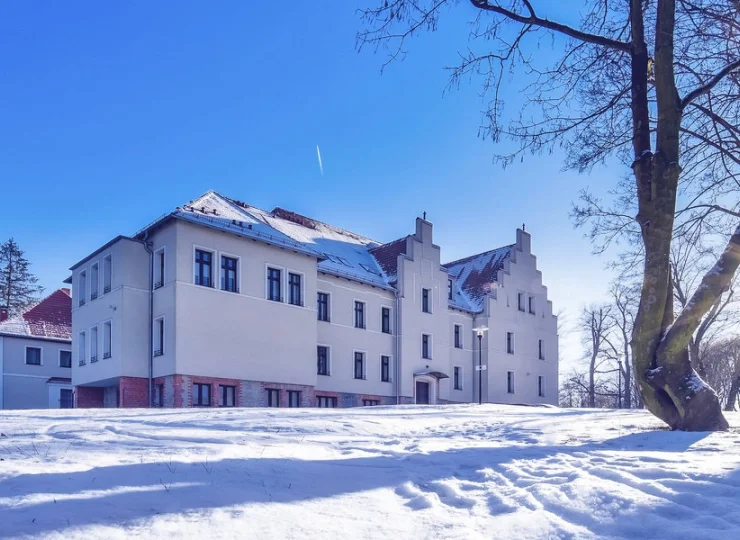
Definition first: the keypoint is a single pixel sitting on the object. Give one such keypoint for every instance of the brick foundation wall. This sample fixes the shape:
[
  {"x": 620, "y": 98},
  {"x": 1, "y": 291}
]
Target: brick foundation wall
[
  {"x": 133, "y": 392},
  {"x": 88, "y": 397}
]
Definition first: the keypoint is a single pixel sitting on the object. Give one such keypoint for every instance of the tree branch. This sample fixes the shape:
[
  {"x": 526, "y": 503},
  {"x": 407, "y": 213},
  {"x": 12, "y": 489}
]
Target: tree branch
[{"x": 711, "y": 83}]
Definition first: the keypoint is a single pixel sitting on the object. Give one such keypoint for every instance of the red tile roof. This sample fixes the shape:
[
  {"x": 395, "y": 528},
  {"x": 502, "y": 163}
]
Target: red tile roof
[
  {"x": 50, "y": 318},
  {"x": 387, "y": 257},
  {"x": 476, "y": 274}
]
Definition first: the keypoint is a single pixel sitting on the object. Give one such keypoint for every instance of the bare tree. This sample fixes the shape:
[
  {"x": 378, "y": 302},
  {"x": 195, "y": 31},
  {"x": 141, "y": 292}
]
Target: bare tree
[
  {"x": 621, "y": 322},
  {"x": 655, "y": 83},
  {"x": 721, "y": 357},
  {"x": 595, "y": 324}
]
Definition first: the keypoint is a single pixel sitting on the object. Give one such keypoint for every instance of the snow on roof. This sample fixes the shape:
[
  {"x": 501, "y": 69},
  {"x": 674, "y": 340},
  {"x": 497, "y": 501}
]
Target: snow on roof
[
  {"x": 338, "y": 251},
  {"x": 50, "y": 318},
  {"x": 476, "y": 274}
]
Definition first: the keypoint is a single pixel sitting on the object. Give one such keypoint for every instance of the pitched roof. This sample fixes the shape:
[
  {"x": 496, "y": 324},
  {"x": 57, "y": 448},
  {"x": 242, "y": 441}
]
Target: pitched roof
[
  {"x": 50, "y": 318},
  {"x": 338, "y": 251},
  {"x": 476, "y": 274}
]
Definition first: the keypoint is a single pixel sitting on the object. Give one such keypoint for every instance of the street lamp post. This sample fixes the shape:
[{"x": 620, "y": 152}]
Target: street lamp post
[{"x": 479, "y": 332}]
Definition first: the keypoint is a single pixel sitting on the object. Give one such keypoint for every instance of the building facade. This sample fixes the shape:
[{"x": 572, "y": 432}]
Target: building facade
[
  {"x": 222, "y": 304},
  {"x": 36, "y": 355}
]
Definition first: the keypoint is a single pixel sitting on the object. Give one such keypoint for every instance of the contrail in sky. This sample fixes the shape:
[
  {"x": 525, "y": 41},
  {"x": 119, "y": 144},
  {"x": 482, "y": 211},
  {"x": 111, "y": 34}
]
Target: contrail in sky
[{"x": 321, "y": 165}]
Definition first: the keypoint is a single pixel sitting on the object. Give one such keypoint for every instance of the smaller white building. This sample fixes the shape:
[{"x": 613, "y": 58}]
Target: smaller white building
[{"x": 36, "y": 355}]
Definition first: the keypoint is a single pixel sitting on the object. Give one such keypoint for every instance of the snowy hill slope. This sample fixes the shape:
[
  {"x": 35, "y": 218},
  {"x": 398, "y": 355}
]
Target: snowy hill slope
[{"x": 407, "y": 472}]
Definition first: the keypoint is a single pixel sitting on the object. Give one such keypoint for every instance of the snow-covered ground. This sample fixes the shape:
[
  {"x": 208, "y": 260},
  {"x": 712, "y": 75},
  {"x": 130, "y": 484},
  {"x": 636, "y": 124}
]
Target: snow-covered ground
[{"x": 383, "y": 472}]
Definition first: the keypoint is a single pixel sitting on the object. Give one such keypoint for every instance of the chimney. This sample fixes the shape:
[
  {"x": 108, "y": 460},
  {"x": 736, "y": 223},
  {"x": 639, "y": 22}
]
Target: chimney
[{"x": 3, "y": 313}]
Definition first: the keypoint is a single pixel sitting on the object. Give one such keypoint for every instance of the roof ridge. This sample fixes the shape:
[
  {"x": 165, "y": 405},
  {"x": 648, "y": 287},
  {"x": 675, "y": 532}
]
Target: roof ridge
[{"x": 469, "y": 257}]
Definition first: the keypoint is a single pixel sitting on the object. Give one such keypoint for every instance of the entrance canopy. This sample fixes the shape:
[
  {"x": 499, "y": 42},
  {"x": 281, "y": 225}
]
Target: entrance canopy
[{"x": 432, "y": 373}]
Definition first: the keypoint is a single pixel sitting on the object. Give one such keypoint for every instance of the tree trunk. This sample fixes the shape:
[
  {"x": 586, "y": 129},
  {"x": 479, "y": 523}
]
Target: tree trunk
[
  {"x": 670, "y": 388},
  {"x": 732, "y": 396},
  {"x": 592, "y": 381}
]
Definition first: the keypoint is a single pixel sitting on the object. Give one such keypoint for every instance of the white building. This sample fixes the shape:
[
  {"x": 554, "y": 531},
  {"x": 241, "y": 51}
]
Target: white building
[
  {"x": 256, "y": 308},
  {"x": 36, "y": 355}
]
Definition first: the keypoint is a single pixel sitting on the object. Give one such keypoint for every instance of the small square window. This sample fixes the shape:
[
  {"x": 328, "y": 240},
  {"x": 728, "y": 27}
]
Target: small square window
[
  {"x": 201, "y": 395},
  {"x": 370, "y": 402},
  {"x": 227, "y": 397},
  {"x": 65, "y": 359},
  {"x": 33, "y": 356}
]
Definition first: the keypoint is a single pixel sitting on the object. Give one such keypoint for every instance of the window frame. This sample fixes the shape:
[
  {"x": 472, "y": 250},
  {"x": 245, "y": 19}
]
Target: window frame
[
  {"x": 520, "y": 302},
  {"x": 355, "y": 352},
  {"x": 426, "y": 300},
  {"x": 107, "y": 272},
  {"x": 370, "y": 402},
  {"x": 200, "y": 386},
  {"x": 327, "y": 399},
  {"x": 294, "y": 394},
  {"x": 540, "y": 349},
  {"x": 383, "y": 359},
  {"x": 159, "y": 332},
  {"x": 457, "y": 336},
  {"x": 237, "y": 272},
  {"x": 268, "y": 282},
  {"x": 160, "y": 263},
  {"x": 510, "y": 345},
  {"x": 41, "y": 355},
  {"x": 510, "y": 382},
  {"x": 59, "y": 358},
  {"x": 383, "y": 309},
  {"x": 429, "y": 346},
  {"x": 269, "y": 401},
  {"x": 94, "y": 283},
  {"x": 531, "y": 305},
  {"x": 328, "y": 306},
  {"x": 82, "y": 279},
  {"x": 93, "y": 353},
  {"x": 82, "y": 347},
  {"x": 328, "y": 360},
  {"x": 301, "y": 288},
  {"x": 450, "y": 289},
  {"x": 540, "y": 386},
  {"x": 364, "y": 314},
  {"x": 198, "y": 275},
  {"x": 109, "y": 324},
  {"x": 457, "y": 377},
  {"x": 223, "y": 392}
]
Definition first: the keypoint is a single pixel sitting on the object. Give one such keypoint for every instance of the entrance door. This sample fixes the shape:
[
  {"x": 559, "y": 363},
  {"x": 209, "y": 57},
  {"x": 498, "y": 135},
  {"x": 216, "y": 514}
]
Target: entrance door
[
  {"x": 66, "y": 400},
  {"x": 422, "y": 393}
]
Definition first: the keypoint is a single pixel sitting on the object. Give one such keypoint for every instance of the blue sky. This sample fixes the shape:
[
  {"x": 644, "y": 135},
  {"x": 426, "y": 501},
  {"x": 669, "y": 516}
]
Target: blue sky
[{"x": 114, "y": 113}]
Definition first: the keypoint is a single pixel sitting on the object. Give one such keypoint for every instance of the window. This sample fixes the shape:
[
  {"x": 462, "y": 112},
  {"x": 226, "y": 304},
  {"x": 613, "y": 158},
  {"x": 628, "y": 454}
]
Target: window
[
  {"x": 295, "y": 296},
  {"x": 322, "y": 360},
  {"x": 426, "y": 346},
  {"x": 229, "y": 274},
  {"x": 510, "y": 342},
  {"x": 425, "y": 307},
  {"x": 33, "y": 356},
  {"x": 94, "y": 277},
  {"x": 510, "y": 382},
  {"x": 201, "y": 395},
  {"x": 531, "y": 305},
  {"x": 359, "y": 314},
  {"x": 66, "y": 399},
  {"x": 294, "y": 399},
  {"x": 273, "y": 397},
  {"x": 541, "y": 386},
  {"x": 457, "y": 377},
  {"x": 159, "y": 336},
  {"x": 81, "y": 351},
  {"x": 65, "y": 359},
  {"x": 458, "y": 336},
  {"x": 158, "y": 395},
  {"x": 326, "y": 402},
  {"x": 322, "y": 301},
  {"x": 370, "y": 402},
  {"x": 159, "y": 268},
  {"x": 541, "y": 350},
  {"x": 107, "y": 271},
  {"x": 449, "y": 289},
  {"x": 93, "y": 344},
  {"x": 385, "y": 320},
  {"x": 227, "y": 396},
  {"x": 385, "y": 368},
  {"x": 107, "y": 339},
  {"x": 82, "y": 287},
  {"x": 203, "y": 268},
  {"x": 359, "y": 365},
  {"x": 520, "y": 301},
  {"x": 274, "y": 284}
]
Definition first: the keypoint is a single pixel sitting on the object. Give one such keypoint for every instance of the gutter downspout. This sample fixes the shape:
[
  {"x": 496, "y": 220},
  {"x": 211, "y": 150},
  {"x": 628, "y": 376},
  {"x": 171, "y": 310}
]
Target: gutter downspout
[
  {"x": 398, "y": 349},
  {"x": 148, "y": 247},
  {"x": 475, "y": 317}
]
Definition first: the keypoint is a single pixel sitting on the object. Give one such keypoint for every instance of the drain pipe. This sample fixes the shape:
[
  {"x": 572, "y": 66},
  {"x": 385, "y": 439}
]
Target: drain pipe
[
  {"x": 148, "y": 247},
  {"x": 398, "y": 349}
]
